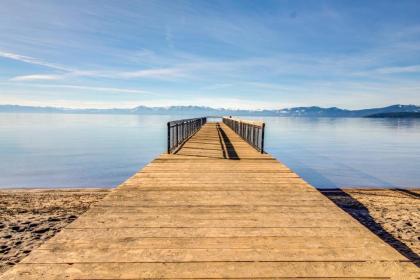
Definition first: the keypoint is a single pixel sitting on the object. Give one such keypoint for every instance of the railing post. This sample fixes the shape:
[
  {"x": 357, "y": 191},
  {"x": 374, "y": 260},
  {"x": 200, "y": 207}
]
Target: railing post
[
  {"x": 254, "y": 138},
  {"x": 169, "y": 137},
  {"x": 262, "y": 138},
  {"x": 176, "y": 134}
]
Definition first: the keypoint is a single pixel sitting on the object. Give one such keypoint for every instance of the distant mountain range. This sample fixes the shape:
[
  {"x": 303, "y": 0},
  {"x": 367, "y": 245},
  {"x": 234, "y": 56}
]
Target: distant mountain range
[{"x": 313, "y": 111}]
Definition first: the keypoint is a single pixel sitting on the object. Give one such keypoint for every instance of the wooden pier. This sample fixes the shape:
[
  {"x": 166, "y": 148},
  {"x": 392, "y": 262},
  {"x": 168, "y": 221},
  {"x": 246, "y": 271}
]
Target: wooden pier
[{"x": 217, "y": 209}]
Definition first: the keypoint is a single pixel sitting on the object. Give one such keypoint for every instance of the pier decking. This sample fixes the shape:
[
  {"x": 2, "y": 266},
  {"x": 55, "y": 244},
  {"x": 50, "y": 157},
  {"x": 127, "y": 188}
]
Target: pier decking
[{"x": 217, "y": 209}]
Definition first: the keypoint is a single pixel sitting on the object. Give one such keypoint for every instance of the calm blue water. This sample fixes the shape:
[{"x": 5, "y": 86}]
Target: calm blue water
[{"x": 57, "y": 150}]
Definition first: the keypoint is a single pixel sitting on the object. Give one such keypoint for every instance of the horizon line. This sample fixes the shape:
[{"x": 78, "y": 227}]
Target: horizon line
[{"x": 201, "y": 106}]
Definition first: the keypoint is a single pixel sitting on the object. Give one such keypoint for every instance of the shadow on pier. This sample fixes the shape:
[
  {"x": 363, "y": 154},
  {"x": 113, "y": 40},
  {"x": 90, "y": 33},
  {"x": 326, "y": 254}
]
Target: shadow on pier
[{"x": 229, "y": 151}]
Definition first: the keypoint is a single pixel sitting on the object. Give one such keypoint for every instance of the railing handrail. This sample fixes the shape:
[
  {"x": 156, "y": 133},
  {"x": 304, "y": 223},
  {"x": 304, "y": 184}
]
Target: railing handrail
[
  {"x": 255, "y": 123},
  {"x": 251, "y": 131},
  {"x": 172, "y": 123},
  {"x": 181, "y": 130}
]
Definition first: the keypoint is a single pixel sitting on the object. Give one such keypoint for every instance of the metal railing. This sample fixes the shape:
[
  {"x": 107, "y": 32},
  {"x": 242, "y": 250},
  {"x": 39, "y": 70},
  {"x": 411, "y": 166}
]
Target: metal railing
[
  {"x": 251, "y": 131},
  {"x": 179, "y": 131}
]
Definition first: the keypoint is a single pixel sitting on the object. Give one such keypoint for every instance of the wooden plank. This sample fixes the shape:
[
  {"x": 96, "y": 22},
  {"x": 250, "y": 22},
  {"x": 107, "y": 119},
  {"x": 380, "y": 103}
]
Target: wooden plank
[
  {"x": 167, "y": 209},
  {"x": 250, "y": 242},
  {"x": 213, "y": 270},
  {"x": 123, "y": 254},
  {"x": 74, "y": 234}
]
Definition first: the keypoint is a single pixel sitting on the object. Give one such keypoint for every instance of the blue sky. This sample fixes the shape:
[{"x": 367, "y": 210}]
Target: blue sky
[{"x": 235, "y": 54}]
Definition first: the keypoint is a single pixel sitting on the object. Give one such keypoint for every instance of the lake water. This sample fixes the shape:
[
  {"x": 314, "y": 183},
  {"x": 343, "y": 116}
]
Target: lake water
[{"x": 58, "y": 150}]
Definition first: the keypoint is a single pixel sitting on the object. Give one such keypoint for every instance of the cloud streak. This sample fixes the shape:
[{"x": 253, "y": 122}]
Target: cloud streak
[
  {"x": 101, "y": 89},
  {"x": 68, "y": 72},
  {"x": 82, "y": 87},
  {"x": 402, "y": 69},
  {"x": 31, "y": 60},
  {"x": 161, "y": 73},
  {"x": 37, "y": 77}
]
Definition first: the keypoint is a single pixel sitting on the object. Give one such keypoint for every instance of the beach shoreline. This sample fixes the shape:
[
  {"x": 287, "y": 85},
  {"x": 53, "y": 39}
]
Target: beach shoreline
[{"x": 29, "y": 217}]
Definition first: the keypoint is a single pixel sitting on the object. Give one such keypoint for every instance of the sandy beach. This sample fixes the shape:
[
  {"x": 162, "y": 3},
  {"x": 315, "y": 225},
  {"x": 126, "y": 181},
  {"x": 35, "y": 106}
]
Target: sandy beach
[
  {"x": 392, "y": 214},
  {"x": 30, "y": 217}
]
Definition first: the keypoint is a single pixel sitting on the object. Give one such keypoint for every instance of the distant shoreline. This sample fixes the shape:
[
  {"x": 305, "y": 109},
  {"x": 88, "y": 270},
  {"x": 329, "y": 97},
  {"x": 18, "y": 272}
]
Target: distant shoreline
[{"x": 396, "y": 115}]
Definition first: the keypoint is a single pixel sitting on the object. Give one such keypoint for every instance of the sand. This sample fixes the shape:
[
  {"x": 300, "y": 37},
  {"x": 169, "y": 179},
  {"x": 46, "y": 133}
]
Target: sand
[
  {"x": 392, "y": 214},
  {"x": 30, "y": 217}
]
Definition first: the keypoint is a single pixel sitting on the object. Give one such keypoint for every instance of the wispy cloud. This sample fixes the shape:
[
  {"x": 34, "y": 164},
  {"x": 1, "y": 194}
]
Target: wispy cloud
[
  {"x": 102, "y": 89},
  {"x": 37, "y": 77},
  {"x": 400, "y": 69},
  {"x": 31, "y": 60},
  {"x": 153, "y": 73},
  {"x": 68, "y": 72},
  {"x": 82, "y": 87},
  {"x": 216, "y": 86}
]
